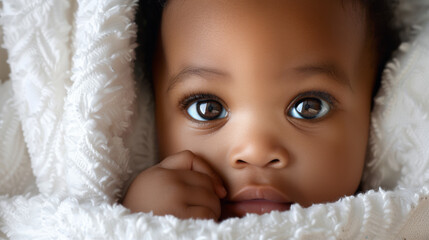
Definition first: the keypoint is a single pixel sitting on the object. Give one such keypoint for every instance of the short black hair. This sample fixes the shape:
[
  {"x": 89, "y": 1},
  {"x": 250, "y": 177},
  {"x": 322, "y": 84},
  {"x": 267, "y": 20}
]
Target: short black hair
[
  {"x": 379, "y": 15},
  {"x": 380, "y": 20},
  {"x": 148, "y": 19}
]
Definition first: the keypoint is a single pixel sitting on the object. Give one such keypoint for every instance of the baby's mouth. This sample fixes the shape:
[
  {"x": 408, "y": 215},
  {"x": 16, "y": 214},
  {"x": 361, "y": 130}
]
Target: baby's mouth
[{"x": 257, "y": 200}]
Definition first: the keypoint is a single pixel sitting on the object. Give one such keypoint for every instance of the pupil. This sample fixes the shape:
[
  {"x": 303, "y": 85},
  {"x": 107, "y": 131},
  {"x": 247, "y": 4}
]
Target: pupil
[
  {"x": 209, "y": 110},
  {"x": 309, "y": 108}
]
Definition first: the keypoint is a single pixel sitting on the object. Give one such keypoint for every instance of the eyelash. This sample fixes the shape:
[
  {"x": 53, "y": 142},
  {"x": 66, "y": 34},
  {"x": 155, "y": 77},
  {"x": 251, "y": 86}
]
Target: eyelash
[
  {"x": 190, "y": 98},
  {"x": 333, "y": 102}
]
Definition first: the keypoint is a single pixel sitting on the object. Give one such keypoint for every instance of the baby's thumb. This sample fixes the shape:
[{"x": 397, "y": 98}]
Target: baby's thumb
[{"x": 187, "y": 160}]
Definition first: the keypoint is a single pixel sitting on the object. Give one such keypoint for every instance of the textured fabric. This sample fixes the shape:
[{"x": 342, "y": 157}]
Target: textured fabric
[
  {"x": 16, "y": 176},
  {"x": 399, "y": 139},
  {"x": 375, "y": 215},
  {"x": 417, "y": 225},
  {"x": 72, "y": 128},
  {"x": 60, "y": 97}
]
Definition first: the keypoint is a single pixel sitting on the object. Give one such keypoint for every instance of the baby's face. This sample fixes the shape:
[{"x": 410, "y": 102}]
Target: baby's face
[{"x": 274, "y": 95}]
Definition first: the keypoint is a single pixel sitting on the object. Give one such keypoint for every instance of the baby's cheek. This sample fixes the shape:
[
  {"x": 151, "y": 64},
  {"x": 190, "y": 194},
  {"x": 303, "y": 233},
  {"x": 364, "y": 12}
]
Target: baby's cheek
[
  {"x": 329, "y": 170},
  {"x": 173, "y": 135}
]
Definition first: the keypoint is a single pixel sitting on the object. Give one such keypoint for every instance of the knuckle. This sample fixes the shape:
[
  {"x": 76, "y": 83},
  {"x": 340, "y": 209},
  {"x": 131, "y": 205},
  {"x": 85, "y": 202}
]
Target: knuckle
[
  {"x": 187, "y": 154},
  {"x": 165, "y": 161}
]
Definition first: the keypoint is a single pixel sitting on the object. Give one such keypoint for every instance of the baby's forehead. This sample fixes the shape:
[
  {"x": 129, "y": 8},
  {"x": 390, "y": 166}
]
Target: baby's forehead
[
  {"x": 263, "y": 37},
  {"x": 270, "y": 14},
  {"x": 271, "y": 22}
]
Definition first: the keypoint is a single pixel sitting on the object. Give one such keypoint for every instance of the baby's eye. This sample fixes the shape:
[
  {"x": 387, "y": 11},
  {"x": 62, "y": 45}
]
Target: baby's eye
[
  {"x": 206, "y": 110},
  {"x": 309, "y": 108}
]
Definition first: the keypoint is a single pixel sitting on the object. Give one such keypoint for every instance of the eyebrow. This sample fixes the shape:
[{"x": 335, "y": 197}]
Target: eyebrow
[
  {"x": 329, "y": 69},
  {"x": 190, "y": 71}
]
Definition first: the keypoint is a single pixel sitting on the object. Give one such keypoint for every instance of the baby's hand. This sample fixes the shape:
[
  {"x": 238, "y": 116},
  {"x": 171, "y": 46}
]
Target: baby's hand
[{"x": 182, "y": 185}]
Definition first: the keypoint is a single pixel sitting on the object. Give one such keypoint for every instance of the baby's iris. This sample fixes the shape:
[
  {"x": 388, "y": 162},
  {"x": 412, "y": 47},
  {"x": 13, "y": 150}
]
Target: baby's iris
[
  {"x": 309, "y": 108},
  {"x": 206, "y": 110}
]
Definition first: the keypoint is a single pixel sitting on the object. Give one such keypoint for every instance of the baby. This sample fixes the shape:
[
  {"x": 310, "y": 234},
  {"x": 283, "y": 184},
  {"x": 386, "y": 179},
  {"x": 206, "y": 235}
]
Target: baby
[{"x": 261, "y": 104}]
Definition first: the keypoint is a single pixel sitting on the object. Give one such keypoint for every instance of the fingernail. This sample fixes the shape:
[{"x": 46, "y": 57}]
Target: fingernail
[{"x": 222, "y": 192}]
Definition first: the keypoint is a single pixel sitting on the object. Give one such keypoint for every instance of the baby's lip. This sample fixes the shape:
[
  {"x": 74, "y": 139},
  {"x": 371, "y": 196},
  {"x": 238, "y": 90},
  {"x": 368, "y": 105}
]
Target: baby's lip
[
  {"x": 259, "y": 193},
  {"x": 255, "y": 199}
]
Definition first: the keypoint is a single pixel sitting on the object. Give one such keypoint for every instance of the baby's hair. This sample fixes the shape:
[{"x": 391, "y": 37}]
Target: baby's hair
[
  {"x": 380, "y": 18},
  {"x": 378, "y": 13},
  {"x": 148, "y": 19}
]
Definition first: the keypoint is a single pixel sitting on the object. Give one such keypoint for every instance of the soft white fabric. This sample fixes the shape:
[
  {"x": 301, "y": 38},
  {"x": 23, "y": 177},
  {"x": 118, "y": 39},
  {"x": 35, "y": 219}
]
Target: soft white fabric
[
  {"x": 71, "y": 129},
  {"x": 416, "y": 226},
  {"x": 15, "y": 167},
  {"x": 74, "y": 108}
]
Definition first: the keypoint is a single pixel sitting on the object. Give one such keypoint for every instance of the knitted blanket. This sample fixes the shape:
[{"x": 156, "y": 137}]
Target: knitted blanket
[{"x": 75, "y": 127}]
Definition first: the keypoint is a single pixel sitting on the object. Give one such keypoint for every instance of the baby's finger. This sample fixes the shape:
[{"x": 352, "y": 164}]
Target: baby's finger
[
  {"x": 187, "y": 160},
  {"x": 197, "y": 179},
  {"x": 200, "y": 196}
]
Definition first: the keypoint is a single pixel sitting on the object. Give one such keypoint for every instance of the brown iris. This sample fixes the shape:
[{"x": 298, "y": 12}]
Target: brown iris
[
  {"x": 209, "y": 109},
  {"x": 309, "y": 107}
]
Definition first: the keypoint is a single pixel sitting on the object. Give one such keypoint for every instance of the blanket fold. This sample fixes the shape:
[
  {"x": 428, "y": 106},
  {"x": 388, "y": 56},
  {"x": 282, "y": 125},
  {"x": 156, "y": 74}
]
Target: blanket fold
[
  {"x": 60, "y": 96},
  {"x": 374, "y": 215}
]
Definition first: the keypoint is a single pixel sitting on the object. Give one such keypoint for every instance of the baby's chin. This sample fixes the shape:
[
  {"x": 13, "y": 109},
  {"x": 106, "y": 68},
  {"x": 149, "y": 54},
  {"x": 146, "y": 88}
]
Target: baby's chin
[{"x": 255, "y": 206}]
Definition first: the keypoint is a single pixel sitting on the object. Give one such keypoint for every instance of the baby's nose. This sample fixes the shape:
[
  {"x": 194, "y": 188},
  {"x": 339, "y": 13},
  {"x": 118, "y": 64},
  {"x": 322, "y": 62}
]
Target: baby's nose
[
  {"x": 274, "y": 163},
  {"x": 260, "y": 139},
  {"x": 260, "y": 152}
]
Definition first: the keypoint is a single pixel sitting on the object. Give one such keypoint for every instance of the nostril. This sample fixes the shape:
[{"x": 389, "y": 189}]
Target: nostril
[
  {"x": 240, "y": 163},
  {"x": 274, "y": 161}
]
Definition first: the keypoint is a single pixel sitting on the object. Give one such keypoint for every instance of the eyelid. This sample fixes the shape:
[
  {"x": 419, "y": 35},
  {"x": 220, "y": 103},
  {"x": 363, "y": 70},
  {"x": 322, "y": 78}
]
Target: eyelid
[
  {"x": 188, "y": 99},
  {"x": 321, "y": 94}
]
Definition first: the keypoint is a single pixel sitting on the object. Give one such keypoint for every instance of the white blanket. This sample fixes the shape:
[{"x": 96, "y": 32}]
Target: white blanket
[{"x": 72, "y": 128}]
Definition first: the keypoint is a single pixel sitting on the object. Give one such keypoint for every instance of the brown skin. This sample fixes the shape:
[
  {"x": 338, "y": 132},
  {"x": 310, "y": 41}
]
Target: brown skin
[{"x": 262, "y": 58}]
